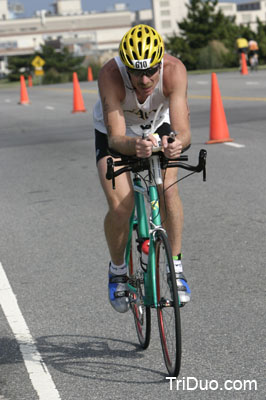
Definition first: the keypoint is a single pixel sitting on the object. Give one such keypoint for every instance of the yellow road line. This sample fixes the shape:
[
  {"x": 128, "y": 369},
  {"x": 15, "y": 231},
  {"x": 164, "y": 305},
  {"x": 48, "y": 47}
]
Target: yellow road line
[
  {"x": 70, "y": 90},
  {"x": 229, "y": 98}
]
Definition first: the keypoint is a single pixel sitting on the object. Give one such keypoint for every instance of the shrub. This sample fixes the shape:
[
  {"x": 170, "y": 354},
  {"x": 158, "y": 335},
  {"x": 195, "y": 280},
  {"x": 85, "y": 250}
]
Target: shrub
[
  {"x": 212, "y": 56},
  {"x": 53, "y": 76}
]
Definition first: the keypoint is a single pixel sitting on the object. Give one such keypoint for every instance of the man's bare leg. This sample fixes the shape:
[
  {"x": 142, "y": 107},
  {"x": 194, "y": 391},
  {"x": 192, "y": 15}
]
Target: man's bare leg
[
  {"x": 171, "y": 209},
  {"x": 121, "y": 203},
  {"x": 116, "y": 226}
]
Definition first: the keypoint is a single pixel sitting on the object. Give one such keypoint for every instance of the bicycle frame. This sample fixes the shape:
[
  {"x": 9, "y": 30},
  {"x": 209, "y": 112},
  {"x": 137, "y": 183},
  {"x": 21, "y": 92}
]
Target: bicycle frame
[
  {"x": 159, "y": 283},
  {"x": 146, "y": 230}
]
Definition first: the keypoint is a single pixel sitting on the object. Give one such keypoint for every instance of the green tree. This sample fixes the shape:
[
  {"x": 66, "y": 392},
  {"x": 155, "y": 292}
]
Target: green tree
[
  {"x": 19, "y": 65},
  {"x": 205, "y": 32},
  {"x": 260, "y": 37},
  {"x": 58, "y": 66},
  {"x": 62, "y": 61}
]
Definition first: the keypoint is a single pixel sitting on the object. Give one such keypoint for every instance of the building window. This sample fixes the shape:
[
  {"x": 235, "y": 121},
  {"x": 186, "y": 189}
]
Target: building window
[
  {"x": 166, "y": 24},
  {"x": 248, "y": 6},
  {"x": 164, "y": 4},
  {"x": 165, "y": 12},
  {"x": 246, "y": 18}
]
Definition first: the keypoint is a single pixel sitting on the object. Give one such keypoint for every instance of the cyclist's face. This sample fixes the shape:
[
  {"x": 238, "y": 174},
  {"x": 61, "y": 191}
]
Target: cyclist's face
[{"x": 146, "y": 80}]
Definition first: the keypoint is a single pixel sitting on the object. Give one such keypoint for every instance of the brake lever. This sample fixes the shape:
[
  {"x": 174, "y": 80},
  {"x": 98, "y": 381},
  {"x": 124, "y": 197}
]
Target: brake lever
[
  {"x": 202, "y": 162},
  {"x": 171, "y": 137},
  {"x": 110, "y": 171}
]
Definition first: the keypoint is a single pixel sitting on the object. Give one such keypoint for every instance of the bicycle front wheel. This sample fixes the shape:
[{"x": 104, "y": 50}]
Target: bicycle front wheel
[
  {"x": 168, "y": 305},
  {"x": 141, "y": 313}
]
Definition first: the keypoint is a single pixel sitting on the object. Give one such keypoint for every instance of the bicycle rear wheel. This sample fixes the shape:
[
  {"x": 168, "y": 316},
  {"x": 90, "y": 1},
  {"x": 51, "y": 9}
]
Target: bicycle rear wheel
[
  {"x": 168, "y": 305},
  {"x": 141, "y": 313}
]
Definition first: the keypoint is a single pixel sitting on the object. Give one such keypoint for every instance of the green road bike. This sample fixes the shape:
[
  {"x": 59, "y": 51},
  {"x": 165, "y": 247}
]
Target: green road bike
[{"x": 152, "y": 280}]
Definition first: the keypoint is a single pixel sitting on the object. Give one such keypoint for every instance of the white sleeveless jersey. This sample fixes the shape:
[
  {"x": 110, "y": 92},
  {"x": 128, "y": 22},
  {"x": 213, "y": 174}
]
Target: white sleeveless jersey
[{"x": 138, "y": 117}]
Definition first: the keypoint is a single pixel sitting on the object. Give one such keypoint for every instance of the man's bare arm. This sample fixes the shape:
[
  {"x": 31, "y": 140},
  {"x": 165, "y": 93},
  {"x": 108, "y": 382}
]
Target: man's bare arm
[
  {"x": 111, "y": 92},
  {"x": 175, "y": 86}
]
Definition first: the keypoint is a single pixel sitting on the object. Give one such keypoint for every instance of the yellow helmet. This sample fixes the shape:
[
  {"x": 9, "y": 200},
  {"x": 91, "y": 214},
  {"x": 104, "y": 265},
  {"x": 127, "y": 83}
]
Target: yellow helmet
[{"x": 141, "y": 47}]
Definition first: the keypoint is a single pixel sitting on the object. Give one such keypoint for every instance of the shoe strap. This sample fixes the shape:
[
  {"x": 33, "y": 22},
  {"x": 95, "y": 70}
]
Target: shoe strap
[
  {"x": 181, "y": 276},
  {"x": 118, "y": 279},
  {"x": 121, "y": 293}
]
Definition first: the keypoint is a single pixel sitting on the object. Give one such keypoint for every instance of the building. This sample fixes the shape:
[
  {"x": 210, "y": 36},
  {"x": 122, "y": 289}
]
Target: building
[
  {"x": 167, "y": 14},
  {"x": 245, "y": 12},
  {"x": 99, "y": 33},
  {"x": 85, "y": 34},
  {"x": 3, "y": 10},
  {"x": 68, "y": 7}
]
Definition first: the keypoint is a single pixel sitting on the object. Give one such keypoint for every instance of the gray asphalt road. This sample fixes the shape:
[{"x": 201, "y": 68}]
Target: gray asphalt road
[{"x": 53, "y": 252}]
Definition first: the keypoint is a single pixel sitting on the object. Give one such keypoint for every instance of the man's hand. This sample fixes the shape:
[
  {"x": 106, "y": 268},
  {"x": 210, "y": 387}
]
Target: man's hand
[
  {"x": 144, "y": 146},
  {"x": 171, "y": 150}
]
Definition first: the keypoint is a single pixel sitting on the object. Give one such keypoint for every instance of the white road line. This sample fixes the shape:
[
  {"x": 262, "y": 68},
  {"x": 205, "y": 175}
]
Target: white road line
[
  {"x": 37, "y": 370},
  {"x": 252, "y": 83},
  {"x": 202, "y": 82},
  {"x": 49, "y": 108},
  {"x": 238, "y": 145}
]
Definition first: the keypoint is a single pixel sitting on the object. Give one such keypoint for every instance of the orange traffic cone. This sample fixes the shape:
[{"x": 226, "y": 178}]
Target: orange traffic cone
[
  {"x": 29, "y": 81},
  {"x": 244, "y": 68},
  {"x": 219, "y": 132},
  {"x": 24, "y": 98},
  {"x": 90, "y": 74},
  {"x": 78, "y": 104}
]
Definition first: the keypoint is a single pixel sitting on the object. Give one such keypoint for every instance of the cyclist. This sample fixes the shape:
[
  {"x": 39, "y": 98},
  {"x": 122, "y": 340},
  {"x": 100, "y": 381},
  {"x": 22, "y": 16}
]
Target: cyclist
[
  {"x": 131, "y": 87},
  {"x": 253, "y": 53},
  {"x": 242, "y": 47}
]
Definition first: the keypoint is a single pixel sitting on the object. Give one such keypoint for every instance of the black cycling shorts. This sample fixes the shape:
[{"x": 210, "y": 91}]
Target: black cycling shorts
[
  {"x": 101, "y": 140},
  {"x": 243, "y": 50},
  {"x": 253, "y": 52}
]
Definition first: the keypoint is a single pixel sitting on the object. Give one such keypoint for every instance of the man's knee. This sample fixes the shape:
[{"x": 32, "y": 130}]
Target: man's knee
[{"x": 122, "y": 210}]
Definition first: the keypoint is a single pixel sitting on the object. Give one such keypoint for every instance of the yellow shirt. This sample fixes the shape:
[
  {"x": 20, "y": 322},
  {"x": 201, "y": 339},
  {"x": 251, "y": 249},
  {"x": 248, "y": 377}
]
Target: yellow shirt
[{"x": 241, "y": 42}]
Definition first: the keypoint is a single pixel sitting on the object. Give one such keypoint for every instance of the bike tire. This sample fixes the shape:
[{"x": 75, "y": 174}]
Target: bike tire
[
  {"x": 168, "y": 312},
  {"x": 141, "y": 313}
]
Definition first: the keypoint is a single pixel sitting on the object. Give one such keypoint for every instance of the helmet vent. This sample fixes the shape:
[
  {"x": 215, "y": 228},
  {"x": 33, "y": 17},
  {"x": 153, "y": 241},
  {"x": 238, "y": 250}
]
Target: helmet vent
[
  {"x": 152, "y": 57},
  {"x": 155, "y": 42},
  {"x": 122, "y": 56},
  {"x": 131, "y": 42},
  {"x": 148, "y": 41},
  {"x": 139, "y": 34},
  {"x": 134, "y": 56},
  {"x": 128, "y": 60},
  {"x": 140, "y": 48},
  {"x": 146, "y": 54}
]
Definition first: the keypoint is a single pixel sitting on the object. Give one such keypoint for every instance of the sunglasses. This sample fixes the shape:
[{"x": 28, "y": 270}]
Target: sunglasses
[{"x": 141, "y": 72}]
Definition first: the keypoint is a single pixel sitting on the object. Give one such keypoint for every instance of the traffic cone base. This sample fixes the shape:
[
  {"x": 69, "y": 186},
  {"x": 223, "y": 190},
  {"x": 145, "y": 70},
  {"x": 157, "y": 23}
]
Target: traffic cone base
[
  {"x": 219, "y": 141},
  {"x": 219, "y": 132},
  {"x": 78, "y": 104}
]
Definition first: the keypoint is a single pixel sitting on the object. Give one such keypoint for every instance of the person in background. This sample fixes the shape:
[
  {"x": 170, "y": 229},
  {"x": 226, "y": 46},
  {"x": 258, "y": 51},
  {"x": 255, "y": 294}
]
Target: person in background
[{"x": 253, "y": 54}]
